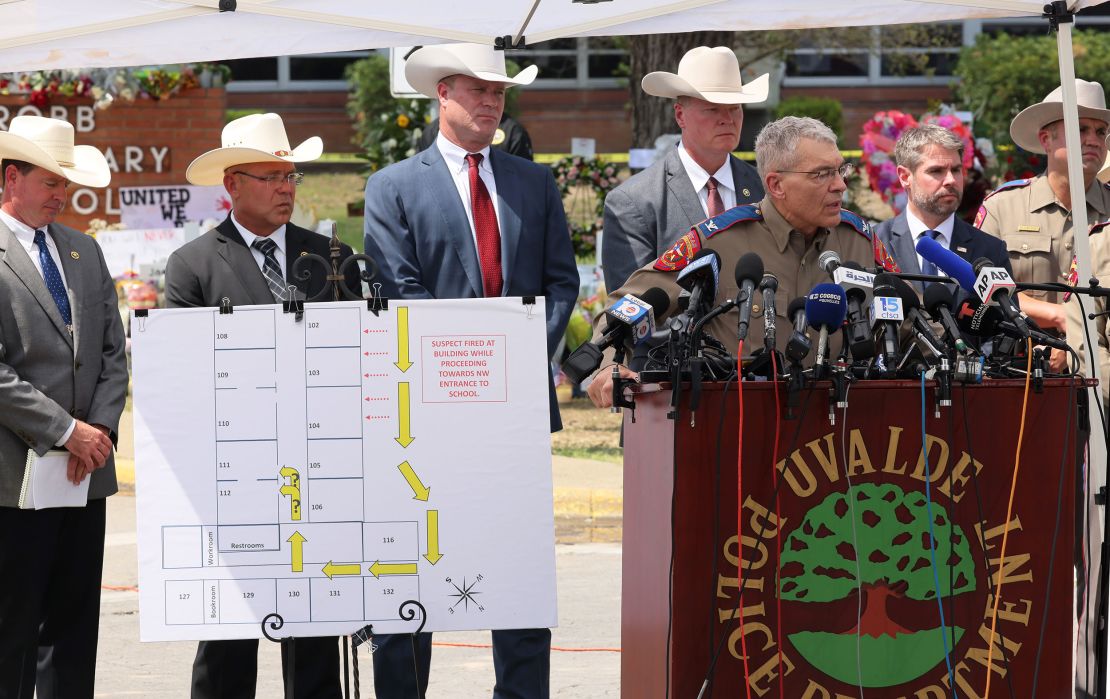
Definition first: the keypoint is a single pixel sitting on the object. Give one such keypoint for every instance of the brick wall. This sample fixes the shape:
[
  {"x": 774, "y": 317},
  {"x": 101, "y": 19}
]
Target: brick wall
[{"x": 147, "y": 142}]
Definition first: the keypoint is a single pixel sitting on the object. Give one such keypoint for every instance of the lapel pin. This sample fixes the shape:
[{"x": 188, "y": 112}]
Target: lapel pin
[
  {"x": 303, "y": 253},
  {"x": 75, "y": 255},
  {"x": 960, "y": 248},
  {"x": 746, "y": 192}
]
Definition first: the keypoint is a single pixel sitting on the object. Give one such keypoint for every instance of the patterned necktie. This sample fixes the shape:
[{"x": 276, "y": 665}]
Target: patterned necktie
[
  {"x": 927, "y": 266},
  {"x": 716, "y": 204},
  {"x": 53, "y": 279},
  {"x": 271, "y": 269},
  {"x": 485, "y": 229}
]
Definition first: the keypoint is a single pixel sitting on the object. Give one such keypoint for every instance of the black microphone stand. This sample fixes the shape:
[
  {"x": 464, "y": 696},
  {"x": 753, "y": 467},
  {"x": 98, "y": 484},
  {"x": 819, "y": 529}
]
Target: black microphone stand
[{"x": 619, "y": 384}]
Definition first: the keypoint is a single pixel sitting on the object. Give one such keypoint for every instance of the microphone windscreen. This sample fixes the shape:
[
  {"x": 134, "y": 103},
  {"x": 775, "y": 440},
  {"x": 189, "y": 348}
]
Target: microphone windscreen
[
  {"x": 769, "y": 281},
  {"x": 949, "y": 262},
  {"x": 901, "y": 288},
  {"x": 657, "y": 299},
  {"x": 749, "y": 268},
  {"x": 798, "y": 304},
  {"x": 937, "y": 295},
  {"x": 826, "y": 306},
  {"x": 976, "y": 319}
]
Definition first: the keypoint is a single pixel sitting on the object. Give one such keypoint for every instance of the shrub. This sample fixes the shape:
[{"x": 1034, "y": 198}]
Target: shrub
[{"x": 824, "y": 109}]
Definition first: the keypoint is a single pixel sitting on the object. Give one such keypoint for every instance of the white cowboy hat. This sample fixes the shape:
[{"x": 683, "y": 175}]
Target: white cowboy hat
[
  {"x": 256, "y": 138},
  {"x": 48, "y": 143},
  {"x": 430, "y": 64},
  {"x": 1029, "y": 121},
  {"x": 1104, "y": 173},
  {"x": 710, "y": 74}
]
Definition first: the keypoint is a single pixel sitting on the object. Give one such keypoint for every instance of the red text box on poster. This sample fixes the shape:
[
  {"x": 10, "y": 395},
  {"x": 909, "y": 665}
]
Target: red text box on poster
[{"x": 464, "y": 368}]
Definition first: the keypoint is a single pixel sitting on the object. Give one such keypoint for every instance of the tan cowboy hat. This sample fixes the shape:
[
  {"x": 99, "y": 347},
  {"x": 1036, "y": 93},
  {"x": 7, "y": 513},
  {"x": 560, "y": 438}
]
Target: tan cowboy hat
[
  {"x": 1029, "y": 121},
  {"x": 1104, "y": 173},
  {"x": 256, "y": 138},
  {"x": 430, "y": 64},
  {"x": 710, "y": 74},
  {"x": 48, "y": 143}
]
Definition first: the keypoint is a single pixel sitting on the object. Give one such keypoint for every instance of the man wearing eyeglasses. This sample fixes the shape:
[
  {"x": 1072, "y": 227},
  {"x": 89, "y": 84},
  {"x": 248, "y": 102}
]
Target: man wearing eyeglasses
[
  {"x": 248, "y": 259},
  {"x": 799, "y": 218}
]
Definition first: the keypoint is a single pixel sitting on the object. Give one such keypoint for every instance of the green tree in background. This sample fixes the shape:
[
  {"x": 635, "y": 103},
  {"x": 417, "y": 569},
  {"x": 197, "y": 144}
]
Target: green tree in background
[
  {"x": 1001, "y": 75},
  {"x": 823, "y": 109}
]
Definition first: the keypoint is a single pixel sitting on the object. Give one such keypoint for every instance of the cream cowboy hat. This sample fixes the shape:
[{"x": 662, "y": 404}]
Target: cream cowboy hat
[
  {"x": 256, "y": 138},
  {"x": 48, "y": 143},
  {"x": 1029, "y": 121},
  {"x": 710, "y": 74},
  {"x": 1104, "y": 173},
  {"x": 430, "y": 64}
]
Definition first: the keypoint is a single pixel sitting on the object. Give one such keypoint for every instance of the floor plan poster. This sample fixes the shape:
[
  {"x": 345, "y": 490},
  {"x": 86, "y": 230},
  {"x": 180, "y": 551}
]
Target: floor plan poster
[{"x": 328, "y": 469}]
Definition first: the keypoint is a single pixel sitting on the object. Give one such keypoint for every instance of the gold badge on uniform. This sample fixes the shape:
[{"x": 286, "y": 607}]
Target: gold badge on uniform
[
  {"x": 75, "y": 255},
  {"x": 1029, "y": 229},
  {"x": 303, "y": 253},
  {"x": 746, "y": 192},
  {"x": 498, "y": 137}
]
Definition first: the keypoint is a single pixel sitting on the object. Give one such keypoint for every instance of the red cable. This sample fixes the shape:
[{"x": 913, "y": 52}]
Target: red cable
[
  {"x": 778, "y": 520},
  {"x": 740, "y": 511}
]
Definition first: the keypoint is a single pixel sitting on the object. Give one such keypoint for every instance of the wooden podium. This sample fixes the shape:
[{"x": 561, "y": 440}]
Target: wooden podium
[{"x": 680, "y": 584}]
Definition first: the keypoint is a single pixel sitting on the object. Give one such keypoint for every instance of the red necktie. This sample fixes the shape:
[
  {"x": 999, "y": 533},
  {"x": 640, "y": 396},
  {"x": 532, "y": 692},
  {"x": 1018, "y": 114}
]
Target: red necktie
[
  {"x": 485, "y": 229},
  {"x": 716, "y": 205}
]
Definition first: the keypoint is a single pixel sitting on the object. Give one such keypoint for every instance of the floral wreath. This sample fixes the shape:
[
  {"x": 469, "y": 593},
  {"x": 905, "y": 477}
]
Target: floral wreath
[{"x": 601, "y": 177}]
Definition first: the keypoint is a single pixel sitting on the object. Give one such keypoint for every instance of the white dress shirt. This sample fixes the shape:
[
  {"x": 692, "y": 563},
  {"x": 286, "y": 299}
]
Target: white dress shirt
[
  {"x": 699, "y": 178},
  {"x": 918, "y": 228},
  {"x": 278, "y": 236},
  {"x": 455, "y": 157}
]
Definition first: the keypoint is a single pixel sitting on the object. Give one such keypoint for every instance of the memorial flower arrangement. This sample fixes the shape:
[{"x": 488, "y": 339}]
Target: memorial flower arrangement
[
  {"x": 393, "y": 134},
  {"x": 877, "y": 141},
  {"x": 103, "y": 85},
  {"x": 586, "y": 181}
]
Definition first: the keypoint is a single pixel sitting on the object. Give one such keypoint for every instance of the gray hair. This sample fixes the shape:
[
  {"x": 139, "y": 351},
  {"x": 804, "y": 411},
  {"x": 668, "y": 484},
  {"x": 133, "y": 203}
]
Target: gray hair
[
  {"x": 907, "y": 151},
  {"x": 777, "y": 141}
]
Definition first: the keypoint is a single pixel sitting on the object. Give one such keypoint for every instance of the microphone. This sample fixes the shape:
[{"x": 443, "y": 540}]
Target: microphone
[
  {"x": 981, "y": 320},
  {"x": 994, "y": 287},
  {"x": 630, "y": 320},
  {"x": 826, "y": 307},
  {"x": 749, "y": 270},
  {"x": 938, "y": 301},
  {"x": 912, "y": 308},
  {"x": 886, "y": 316},
  {"x": 767, "y": 288},
  {"x": 799, "y": 345},
  {"x": 949, "y": 262},
  {"x": 859, "y": 290},
  {"x": 700, "y": 278}
]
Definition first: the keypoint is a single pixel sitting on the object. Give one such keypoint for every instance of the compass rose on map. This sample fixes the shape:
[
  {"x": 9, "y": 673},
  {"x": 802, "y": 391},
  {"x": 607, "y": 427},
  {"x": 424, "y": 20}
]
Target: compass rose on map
[{"x": 465, "y": 595}]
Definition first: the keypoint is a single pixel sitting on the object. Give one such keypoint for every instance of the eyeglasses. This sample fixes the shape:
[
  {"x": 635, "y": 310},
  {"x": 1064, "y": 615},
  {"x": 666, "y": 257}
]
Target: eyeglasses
[
  {"x": 845, "y": 171},
  {"x": 274, "y": 180}
]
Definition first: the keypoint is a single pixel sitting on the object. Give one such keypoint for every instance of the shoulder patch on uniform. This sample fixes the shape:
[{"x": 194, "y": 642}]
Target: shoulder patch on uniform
[
  {"x": 737, "y": 214},
  {"x": 980, "y": 216},
  {"x": 856, "y": 221},
  {"x": 680, "y": 253},
  {"x": 1012, "y": 184}
]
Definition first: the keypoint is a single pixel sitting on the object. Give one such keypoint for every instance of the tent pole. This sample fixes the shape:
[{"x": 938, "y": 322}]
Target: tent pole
[{"x": 1096, "y": 471}]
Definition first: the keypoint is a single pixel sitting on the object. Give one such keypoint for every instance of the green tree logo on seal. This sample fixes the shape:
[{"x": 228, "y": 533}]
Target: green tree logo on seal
[{"x": 819, "y": 564}]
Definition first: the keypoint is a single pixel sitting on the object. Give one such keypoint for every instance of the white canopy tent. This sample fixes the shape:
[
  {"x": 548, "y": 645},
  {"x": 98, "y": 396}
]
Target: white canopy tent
[{"x": 49, "y": 34}]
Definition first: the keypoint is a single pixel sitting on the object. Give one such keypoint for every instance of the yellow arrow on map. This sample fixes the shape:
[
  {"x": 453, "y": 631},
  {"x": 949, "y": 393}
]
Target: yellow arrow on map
[
  {"x": 291, "y": 490},
  {"x": 297, "y": 551},
  {"x": 404, "y": 433},
  {"x": 418, "y": 489},
  {"x": 331, "y": 569},
  {"x": 433, "y": 554},
  {"x": 378, "y": 569},
  {"x": 403, "y": 362},
  {"x": 292, "y": 474}
]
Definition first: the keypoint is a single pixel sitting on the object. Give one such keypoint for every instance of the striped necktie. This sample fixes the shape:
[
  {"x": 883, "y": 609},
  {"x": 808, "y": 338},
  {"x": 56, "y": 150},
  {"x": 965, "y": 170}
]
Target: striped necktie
[
  {"x": 271, "y": 269},
  {"x": 53, "y": 279}
]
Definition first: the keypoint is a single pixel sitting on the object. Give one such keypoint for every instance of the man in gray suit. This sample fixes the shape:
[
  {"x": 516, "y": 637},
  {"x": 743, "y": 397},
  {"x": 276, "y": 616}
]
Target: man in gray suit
[
  {"x": 63, "y": 383},
  {"x": 931, "y": 170},
  {"x": 248, "y": 259},
  {"x": 462, "y": 220},
  {"x": 696, "y": 180}
]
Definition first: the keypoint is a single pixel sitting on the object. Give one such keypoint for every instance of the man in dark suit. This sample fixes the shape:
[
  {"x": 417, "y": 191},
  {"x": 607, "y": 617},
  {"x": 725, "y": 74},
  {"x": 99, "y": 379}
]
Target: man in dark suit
[
  {"x": 247, "y": 259},
  {"x": 697, "y": 179},
  {"x": 63, "y": 383},
  {"x": 931, "y": 170},
  {"x": 462, "y": 220}
]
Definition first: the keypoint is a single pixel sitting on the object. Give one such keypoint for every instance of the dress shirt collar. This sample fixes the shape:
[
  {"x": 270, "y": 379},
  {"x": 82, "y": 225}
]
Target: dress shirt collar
[
  {"x": 917, "y": 228},
  {"x": 278, "y": 236},
  {"x": 19, "y": 228},
  {"x": 455, "y": 155},
  {"x": 697, "y": 174}
]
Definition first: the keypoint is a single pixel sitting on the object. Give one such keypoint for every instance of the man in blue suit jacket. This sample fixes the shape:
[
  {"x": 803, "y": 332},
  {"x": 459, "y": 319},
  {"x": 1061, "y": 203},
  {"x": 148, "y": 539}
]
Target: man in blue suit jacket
[
  {"x": 930, "y": 167},
  {"x": 462, "y": 220}
]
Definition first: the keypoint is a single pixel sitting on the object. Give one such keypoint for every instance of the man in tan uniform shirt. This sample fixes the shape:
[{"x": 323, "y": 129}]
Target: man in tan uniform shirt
[
  {"x": 803, "y": 173},
  {"x": 1033, "y": 216}
]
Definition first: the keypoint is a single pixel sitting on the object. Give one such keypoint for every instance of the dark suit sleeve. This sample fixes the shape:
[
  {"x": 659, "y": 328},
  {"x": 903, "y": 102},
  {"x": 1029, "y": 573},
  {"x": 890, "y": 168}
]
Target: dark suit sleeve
[
  {"x": 183, "y": 288},
  {"x": 110, "y": 394},
  {"x": 627, "y": 240},
  {"x": 560, "y": 270},
  {"x": 390, "y": 241},
  {"x": 517, "y": 140}
]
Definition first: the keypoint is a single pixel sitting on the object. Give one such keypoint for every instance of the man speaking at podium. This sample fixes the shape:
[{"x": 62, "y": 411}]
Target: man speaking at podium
[
  {"x": 803, "y": 174},
  {"x": 247, "y": 260}
]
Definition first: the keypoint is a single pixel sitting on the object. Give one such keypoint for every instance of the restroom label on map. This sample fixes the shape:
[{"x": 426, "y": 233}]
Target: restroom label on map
[{"x": 464, "y": 368}]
